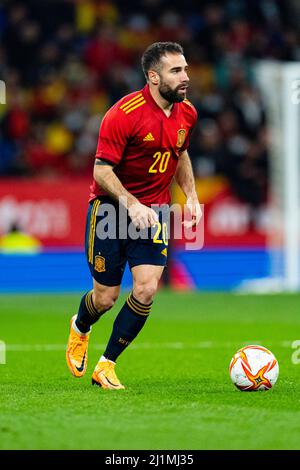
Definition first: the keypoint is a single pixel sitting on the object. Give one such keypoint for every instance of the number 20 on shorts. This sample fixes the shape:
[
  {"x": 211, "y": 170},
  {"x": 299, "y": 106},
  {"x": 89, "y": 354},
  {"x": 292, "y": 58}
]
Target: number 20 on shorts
[{"x": 161, "y": 228}]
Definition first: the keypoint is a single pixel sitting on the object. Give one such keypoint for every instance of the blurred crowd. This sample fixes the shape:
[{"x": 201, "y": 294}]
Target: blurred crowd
[{"x": 65, "y": 62}]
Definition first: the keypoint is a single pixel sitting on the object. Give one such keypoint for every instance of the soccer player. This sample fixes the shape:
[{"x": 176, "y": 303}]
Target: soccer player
[{"x": 142, "y": 146}]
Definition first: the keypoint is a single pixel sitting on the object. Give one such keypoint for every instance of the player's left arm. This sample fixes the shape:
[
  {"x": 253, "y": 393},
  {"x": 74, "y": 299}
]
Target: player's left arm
[{"x": 185, "y": 178}]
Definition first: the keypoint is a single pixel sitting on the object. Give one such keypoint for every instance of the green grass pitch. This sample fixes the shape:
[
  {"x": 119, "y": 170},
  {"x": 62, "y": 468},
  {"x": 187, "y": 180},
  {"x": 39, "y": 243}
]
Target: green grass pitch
[{"x": 178, "y": 391}]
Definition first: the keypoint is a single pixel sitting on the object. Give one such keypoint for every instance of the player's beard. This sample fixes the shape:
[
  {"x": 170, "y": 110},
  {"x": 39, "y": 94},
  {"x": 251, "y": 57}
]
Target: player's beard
[{"x": 169, "y": 94}]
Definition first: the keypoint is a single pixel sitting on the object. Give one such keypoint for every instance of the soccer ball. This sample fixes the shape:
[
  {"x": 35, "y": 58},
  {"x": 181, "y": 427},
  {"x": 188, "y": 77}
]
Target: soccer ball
[{"x": 254, "y": 368}]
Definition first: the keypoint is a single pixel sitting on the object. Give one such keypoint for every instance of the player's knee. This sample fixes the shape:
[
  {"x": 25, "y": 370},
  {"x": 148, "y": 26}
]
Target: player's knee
[
  {"x": 104, "y": 301},
  {"x": 145, "y": 291}
]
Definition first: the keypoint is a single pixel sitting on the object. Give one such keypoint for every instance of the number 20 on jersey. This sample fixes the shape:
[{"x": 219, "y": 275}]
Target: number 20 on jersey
[{"x": 161, "y": 161}]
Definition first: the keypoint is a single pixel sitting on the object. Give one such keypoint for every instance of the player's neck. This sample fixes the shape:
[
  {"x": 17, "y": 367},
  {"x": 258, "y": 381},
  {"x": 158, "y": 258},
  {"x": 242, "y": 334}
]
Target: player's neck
[{"x": 161, "y": 102}]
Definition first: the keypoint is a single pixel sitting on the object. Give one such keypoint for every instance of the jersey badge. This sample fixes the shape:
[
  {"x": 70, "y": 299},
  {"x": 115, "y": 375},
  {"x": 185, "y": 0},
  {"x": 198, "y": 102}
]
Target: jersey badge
[
  {"x": 180, "y": 137},
  {"x": 99, "y": 264}
]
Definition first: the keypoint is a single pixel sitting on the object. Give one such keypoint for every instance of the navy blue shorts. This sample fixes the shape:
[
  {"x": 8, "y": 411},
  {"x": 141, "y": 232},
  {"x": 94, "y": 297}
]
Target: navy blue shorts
[{"x": 112, "y": 240}]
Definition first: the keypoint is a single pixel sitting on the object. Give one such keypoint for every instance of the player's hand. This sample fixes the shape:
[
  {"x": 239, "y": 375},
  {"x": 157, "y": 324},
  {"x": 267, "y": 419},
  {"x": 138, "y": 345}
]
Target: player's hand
[
  {"x": 195, "y": 210},
  {"x": 142, "y": 216}
]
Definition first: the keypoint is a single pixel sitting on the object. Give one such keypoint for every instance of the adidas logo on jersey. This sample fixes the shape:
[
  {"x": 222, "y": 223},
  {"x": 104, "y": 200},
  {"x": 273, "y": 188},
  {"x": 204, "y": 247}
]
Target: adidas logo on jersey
[{"x": 148, "y": 137}]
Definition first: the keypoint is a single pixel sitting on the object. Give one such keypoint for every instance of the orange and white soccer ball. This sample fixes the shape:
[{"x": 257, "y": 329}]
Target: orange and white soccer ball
[{"x": 254, "y": 368}]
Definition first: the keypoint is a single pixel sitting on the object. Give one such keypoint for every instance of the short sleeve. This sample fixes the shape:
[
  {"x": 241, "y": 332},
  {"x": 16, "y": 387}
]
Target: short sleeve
[{"x": 113, "y": 136}]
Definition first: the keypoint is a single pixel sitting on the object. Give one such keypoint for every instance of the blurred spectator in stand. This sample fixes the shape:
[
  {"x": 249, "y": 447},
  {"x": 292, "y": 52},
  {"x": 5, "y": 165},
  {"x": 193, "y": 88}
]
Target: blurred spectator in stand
[
  {"x": 21, "y": 38},
  {"x": 103, "y": 51},
  {"x": 16, "y": 241},
  {"x": 208, "y": 151},
  {"x": 247, "y": 171},
  {"x": 250, "y": 109},
  {"x": 64, "y": 67},
  {"x": 9, "y": 157}
]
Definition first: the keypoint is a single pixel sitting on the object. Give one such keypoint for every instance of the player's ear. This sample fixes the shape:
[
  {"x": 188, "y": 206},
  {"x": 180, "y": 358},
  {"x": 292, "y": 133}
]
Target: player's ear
[{"x": 153, "y": 77}]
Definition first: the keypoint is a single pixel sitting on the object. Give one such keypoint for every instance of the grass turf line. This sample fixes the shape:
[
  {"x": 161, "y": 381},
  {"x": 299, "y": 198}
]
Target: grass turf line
[{"x": 174, "y": 398}]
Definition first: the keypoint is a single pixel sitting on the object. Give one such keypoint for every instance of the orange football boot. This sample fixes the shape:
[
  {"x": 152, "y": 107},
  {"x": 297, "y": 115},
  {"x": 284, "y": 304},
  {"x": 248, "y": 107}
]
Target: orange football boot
[
  {"x": 104, "y": 376},
  {"x": 77, "y": 351}
]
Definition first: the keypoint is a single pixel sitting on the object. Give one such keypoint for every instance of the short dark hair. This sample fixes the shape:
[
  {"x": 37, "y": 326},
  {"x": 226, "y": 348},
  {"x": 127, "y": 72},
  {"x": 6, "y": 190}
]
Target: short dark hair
[{"x": 152, "y": 55}]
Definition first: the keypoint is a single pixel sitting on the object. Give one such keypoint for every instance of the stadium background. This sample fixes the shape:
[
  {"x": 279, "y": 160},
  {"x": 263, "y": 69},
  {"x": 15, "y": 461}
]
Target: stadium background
[{"x": 65, "y": 62}]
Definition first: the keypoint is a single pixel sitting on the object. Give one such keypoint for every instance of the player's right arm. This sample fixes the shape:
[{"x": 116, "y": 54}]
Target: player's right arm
[
  {"x": 115, "y": 131},
  {"x": 141, "y": 215}
]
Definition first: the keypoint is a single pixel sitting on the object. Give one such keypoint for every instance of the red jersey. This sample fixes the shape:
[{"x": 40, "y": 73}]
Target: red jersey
[{"x": 144, "y": 145}]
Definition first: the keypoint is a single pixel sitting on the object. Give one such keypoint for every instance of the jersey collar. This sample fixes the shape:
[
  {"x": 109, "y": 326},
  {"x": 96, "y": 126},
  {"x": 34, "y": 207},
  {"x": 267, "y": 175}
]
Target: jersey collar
[{"x": 152, "y": 103}]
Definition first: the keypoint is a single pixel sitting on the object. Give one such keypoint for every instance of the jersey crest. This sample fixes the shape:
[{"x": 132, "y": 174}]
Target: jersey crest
[
  {"x": 181, "y": 133},
  {"x": 99, "y": 264}
]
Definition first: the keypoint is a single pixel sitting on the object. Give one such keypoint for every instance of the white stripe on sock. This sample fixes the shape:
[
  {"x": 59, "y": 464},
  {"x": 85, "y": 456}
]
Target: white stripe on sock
[
  {"x": 103, "y": 359},
  {"x": 76, "y": 329}
]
